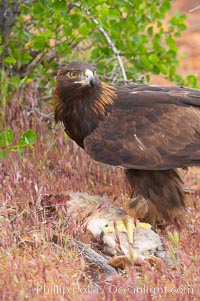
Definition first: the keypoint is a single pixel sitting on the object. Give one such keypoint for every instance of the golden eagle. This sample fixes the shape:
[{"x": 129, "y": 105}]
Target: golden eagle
[{"x": 149, "y": 130}]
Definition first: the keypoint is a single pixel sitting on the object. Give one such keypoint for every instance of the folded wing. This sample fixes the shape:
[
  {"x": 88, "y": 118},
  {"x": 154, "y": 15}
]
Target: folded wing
[{"x": 151, "y": 128}]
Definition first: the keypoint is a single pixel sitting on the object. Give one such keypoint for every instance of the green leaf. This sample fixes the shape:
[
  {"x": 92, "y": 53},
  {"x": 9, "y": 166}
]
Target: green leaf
[
  {"x": 182, "y": 27},
  {"x": 59, "y": 4},
  {"x": 84, "y": 29},
  {"x": 150, "y": 31},
  {"x": 9, "y": 60},
  {"x": 174, "y": 20},
  {"x": 192, "y": 80},
  {"x": 165, "y": 7},
  {"x": 145, "y": 61},
  {"x": 28, "y": 138},
  {"x": 75, "y": 19},
  {"x": 67, "y": 30},
  {"x": 153, "y": 58},
  {"x": 163, "y": 68},
  {"x": 114, "y": 14},
  {"x": 25, "y": 58},
  {"x": 15, "y": 81},
  {"x": 156, "y": 70},
  {"x": 104, "y": 11},
  {"x": 38, "y": 42},
  {"x": 6, "y": 138},
  {"x": 171, "y": 43}
]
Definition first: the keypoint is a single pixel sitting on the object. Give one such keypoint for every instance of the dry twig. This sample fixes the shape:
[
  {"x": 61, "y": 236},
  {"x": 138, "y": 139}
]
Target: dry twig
[{"x": 94, "y": 258}]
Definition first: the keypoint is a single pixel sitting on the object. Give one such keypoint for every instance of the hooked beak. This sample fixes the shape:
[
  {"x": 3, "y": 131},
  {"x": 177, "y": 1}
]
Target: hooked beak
[{"x": 87, "y": 78}]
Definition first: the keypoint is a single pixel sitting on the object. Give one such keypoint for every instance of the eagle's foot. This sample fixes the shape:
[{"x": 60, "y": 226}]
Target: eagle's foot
[
  {"x": 131, "y": 242},
  {"x": 125, "y": 225}
]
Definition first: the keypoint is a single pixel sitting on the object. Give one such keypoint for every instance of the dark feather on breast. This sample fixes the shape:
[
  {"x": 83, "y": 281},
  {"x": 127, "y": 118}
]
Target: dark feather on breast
[{"x": 82, "y": 109}]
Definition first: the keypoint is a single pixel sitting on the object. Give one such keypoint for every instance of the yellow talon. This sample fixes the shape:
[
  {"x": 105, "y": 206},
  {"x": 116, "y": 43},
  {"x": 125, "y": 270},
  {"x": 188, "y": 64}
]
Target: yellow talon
[
  {"x": 129, "y": 225},
  {"x": 115, "y": 226},
  {"x": 143, "y": 225},
  {"x": 125, "y": 225}
]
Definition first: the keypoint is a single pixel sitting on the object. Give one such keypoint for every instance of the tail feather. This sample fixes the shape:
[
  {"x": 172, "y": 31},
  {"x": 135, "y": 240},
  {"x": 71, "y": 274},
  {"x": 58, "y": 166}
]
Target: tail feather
[{"x": 157, "y": 196}]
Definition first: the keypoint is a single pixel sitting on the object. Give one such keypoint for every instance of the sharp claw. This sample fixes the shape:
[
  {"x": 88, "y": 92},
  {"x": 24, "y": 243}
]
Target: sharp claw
[{"x": 129, "y": 225}]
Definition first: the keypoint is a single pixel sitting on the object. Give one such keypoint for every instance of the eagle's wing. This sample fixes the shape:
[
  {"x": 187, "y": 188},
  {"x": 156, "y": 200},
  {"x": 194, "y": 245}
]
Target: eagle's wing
[{"x": 149, "y": 129}]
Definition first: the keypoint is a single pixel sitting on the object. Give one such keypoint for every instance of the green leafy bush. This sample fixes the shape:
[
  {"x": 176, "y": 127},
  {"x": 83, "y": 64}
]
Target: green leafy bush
[
  {"x": 27, "y": 139},
  {"x": 123, "y": 38}
]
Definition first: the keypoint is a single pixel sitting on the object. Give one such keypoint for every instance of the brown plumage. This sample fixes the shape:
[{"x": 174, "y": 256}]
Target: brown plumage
[{"x": 148, "y": 130}]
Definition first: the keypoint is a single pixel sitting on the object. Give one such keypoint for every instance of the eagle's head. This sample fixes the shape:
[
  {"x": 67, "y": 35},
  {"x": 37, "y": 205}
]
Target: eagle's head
[
  {"x": 77, "y": 76},
  {"x": 81, "y": 99},
  {"x": 78, "y": 87}
]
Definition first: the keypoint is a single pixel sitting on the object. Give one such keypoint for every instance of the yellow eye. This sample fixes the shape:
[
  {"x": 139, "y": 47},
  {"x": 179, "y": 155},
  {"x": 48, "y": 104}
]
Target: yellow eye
[
  {"x": 94, "y": 72},
  {"x": 73, "y": 74}
]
